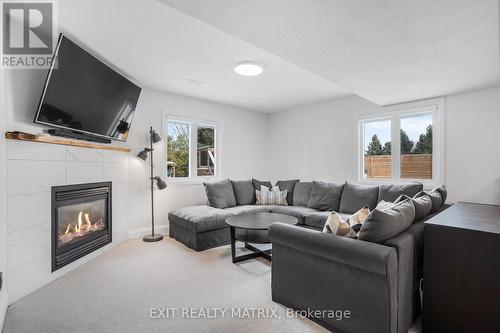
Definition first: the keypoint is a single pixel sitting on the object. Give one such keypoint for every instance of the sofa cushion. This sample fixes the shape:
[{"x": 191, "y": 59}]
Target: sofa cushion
[
  {"x": 298, "y": 211},
  {"x": 356, "y": 196},
  {"x": 289, "y": 186},
  {"x": 199, "y": 218},
  {"x": 245, "y": 209},
  {"x": 317, "y": 220},
  {"x": 325, "y": 196},
  {"x": 244, "y": 192},
  {"x": 441, "y": 189},
  {"x": 390, "y": 192},
  {"x": 301, "y": 193},
  {"x": 387, "y": 220},
  {"x": 257, "y": 184},
  {"x": 220, "y": 194},
  {"x": 436, "y": 200},
  {"x": 422, "y": 203}
]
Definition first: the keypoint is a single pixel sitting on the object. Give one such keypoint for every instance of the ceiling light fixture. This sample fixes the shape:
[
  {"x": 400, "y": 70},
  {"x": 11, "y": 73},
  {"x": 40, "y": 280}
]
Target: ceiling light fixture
[{"x": 248, "y": 68}]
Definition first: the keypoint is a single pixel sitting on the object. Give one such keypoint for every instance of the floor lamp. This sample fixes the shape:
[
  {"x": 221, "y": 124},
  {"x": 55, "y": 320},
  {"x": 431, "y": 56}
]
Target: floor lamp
[{"x": 160, "y": 183}]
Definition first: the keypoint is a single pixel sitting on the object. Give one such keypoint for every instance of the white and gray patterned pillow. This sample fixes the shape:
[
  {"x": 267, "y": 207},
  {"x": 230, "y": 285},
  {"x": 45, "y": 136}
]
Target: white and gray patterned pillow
[
  {"x": 272, "y": 196},
  {"x": 336, "y": 225}
]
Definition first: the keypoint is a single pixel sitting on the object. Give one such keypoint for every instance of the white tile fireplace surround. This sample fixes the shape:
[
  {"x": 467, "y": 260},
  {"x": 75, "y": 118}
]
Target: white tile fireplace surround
[{"x": 33, "y": 168}]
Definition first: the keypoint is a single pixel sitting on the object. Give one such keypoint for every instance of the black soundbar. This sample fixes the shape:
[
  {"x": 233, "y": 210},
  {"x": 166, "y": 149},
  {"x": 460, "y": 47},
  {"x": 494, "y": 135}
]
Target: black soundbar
[{"x": 76, "y": 135}]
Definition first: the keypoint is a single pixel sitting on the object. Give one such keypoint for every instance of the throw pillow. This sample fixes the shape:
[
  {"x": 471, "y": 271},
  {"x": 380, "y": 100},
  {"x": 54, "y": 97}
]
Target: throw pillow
[
  {"x": 436, "y": 201},
  {"x": 357, "y": 219},
  {"x": 356, "y": 196},
  {"x": 441, "y": 189},
  {"x": 289, "y": 186},
  {"x": 220, "y": 194},
  {"x": 390, "y": 192},
  {"x": 325, "y": 196},
  {"x": 272, "y": 196},
  {"x": 257, "y": 184},
  {"x": 422, "y": 203},
  {"x": 387, "y": 220},
  {"x": 301, "y": 193},
  {"x": 336, "y": 225},
  {"x": 243, "y": 192}
]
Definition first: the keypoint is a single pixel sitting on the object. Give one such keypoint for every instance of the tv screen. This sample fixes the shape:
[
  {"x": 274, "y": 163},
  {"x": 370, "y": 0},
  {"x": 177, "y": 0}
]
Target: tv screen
[{"x": 83, "y": 94}]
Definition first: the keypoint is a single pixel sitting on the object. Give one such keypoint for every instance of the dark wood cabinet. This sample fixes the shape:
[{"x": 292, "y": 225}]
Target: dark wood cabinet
[{"x": 462, "y": 270}]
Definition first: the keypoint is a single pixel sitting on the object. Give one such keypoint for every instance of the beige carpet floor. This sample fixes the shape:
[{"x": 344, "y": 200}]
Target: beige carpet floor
[{"x": 117, "y": 291}]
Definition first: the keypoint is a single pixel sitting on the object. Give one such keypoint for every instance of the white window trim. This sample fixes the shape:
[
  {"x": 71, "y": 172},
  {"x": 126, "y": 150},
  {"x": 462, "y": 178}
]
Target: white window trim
[
  {"x": 194, "y": 180},
  {"x": 394, "y": 113}
]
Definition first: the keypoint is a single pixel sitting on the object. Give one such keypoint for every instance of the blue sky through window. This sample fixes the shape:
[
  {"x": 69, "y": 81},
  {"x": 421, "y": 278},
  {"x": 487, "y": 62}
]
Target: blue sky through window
[
  {"x": 175, "y": 129},
  {"x": 413, "y": 126}
]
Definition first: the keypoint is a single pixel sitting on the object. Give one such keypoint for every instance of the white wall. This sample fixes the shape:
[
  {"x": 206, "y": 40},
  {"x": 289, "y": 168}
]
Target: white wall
[
  {"x": 244, "y": 152},
  {"x": 316, "y": 141},
  {"x": 472, "y": 146},
  {"x": 319, "y": 142}
]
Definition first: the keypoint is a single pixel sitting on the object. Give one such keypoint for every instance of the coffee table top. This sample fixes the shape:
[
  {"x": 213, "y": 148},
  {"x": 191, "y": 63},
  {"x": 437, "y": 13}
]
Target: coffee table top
[{"x": 259, "y": 221}]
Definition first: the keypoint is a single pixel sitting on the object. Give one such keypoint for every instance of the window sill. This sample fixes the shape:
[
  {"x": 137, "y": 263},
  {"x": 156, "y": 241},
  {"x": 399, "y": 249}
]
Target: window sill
[
  {"x": 428, "y": 184},
  {"x": 190, "y": 181}
]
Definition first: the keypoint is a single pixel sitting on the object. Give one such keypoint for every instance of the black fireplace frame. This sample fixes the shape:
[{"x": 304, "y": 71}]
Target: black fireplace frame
[{"x": 70, "y": 194}]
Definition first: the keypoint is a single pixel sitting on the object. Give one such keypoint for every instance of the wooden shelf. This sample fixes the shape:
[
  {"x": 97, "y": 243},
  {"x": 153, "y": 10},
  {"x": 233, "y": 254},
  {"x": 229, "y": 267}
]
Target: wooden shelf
[{"x": 58, "y": 141}]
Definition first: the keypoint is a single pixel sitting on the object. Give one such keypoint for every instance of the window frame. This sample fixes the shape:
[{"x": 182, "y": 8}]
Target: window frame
[
  {"x": 395, "y": 114},
  {"x": 194, "y": 124}
]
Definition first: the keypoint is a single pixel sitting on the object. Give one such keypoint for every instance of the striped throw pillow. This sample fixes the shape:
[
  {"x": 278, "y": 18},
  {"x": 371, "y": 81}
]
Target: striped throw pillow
[{"x": 272, "y": 196}]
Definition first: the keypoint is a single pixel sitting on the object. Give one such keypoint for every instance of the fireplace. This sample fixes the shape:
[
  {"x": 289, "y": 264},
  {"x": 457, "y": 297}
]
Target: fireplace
[{"x": 81, "y": 221}]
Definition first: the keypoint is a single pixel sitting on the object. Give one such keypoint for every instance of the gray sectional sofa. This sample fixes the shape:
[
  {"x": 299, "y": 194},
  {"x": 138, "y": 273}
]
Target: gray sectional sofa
[{"x": 378, "y": 283}]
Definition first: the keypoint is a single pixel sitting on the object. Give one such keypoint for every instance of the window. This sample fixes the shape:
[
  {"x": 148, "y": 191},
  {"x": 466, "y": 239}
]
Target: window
[
  {"x": 191, "y": 149},
  {"x": 377, "y": 149},
  {"x": 416, "y": 146},
  {"x": 206, "y": 151},
  {"x": 400, "y": 146}
]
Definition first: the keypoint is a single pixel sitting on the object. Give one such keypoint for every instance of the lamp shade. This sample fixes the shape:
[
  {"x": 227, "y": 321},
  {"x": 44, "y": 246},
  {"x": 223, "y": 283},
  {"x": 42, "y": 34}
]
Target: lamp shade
[
  {"x": 160, "y": 183},
  {"x": 143, "y": 155},
  {"x": 155, "y": 137}
]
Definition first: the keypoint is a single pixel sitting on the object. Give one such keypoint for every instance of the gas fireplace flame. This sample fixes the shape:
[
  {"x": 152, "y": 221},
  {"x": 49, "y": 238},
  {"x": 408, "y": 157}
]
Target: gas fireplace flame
[
  {"x": 87, "y": 220},
  {"x": 80, "y": 227}
]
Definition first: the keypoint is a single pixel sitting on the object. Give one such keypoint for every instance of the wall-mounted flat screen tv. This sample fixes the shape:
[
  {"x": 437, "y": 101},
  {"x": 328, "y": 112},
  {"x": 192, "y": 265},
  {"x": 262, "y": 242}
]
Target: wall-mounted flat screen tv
[{"x": 84, "y": 95}]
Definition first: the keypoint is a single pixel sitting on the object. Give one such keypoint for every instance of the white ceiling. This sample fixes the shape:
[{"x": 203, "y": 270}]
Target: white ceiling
[
  {"x": 162, "y": 48},
  {"x": 385, "y": 51}
]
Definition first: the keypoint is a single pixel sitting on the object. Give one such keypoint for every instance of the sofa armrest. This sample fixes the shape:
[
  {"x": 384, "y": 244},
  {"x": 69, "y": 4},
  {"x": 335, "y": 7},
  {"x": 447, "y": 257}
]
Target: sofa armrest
[
  {"x": 409, "y": 248},
  {"x": 352, "y": 252},
  {"x": 312, "y": 270}
]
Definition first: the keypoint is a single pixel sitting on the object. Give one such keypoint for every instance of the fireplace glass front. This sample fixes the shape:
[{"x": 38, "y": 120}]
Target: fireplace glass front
[{"x": 81, "y": 221}]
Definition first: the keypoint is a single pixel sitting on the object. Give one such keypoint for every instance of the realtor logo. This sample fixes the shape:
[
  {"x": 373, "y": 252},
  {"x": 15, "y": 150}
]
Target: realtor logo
[{"x": 27, "y": 34}]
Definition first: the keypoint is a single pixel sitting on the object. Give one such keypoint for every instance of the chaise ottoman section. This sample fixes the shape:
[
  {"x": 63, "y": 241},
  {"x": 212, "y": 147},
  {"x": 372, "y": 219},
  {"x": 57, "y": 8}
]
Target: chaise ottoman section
[
  {"x": 199, "y": 227},
  {"x": 204, "y": 227}
]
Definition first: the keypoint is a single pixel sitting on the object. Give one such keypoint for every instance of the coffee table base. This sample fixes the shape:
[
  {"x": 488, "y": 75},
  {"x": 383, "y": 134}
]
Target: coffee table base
[{"x": 256, "y": 252}]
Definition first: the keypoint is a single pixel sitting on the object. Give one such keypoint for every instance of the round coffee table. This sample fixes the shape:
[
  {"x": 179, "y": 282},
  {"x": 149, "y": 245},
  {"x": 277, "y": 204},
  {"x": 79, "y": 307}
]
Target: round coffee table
[{"x": 252, "y": 228}]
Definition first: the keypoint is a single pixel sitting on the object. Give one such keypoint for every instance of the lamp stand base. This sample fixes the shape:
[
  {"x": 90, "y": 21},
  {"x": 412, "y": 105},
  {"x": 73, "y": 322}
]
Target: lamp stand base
[{"x": 152, "y": 238}]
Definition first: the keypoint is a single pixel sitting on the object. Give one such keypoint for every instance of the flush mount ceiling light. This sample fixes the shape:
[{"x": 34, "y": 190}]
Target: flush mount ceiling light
[{"x": 248, "y": 68}]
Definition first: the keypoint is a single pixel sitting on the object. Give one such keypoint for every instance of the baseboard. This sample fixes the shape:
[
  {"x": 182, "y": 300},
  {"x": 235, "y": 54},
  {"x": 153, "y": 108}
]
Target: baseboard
[
  {"x": 137, "y": 233},
  {"x": 4, "y": 302}
]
